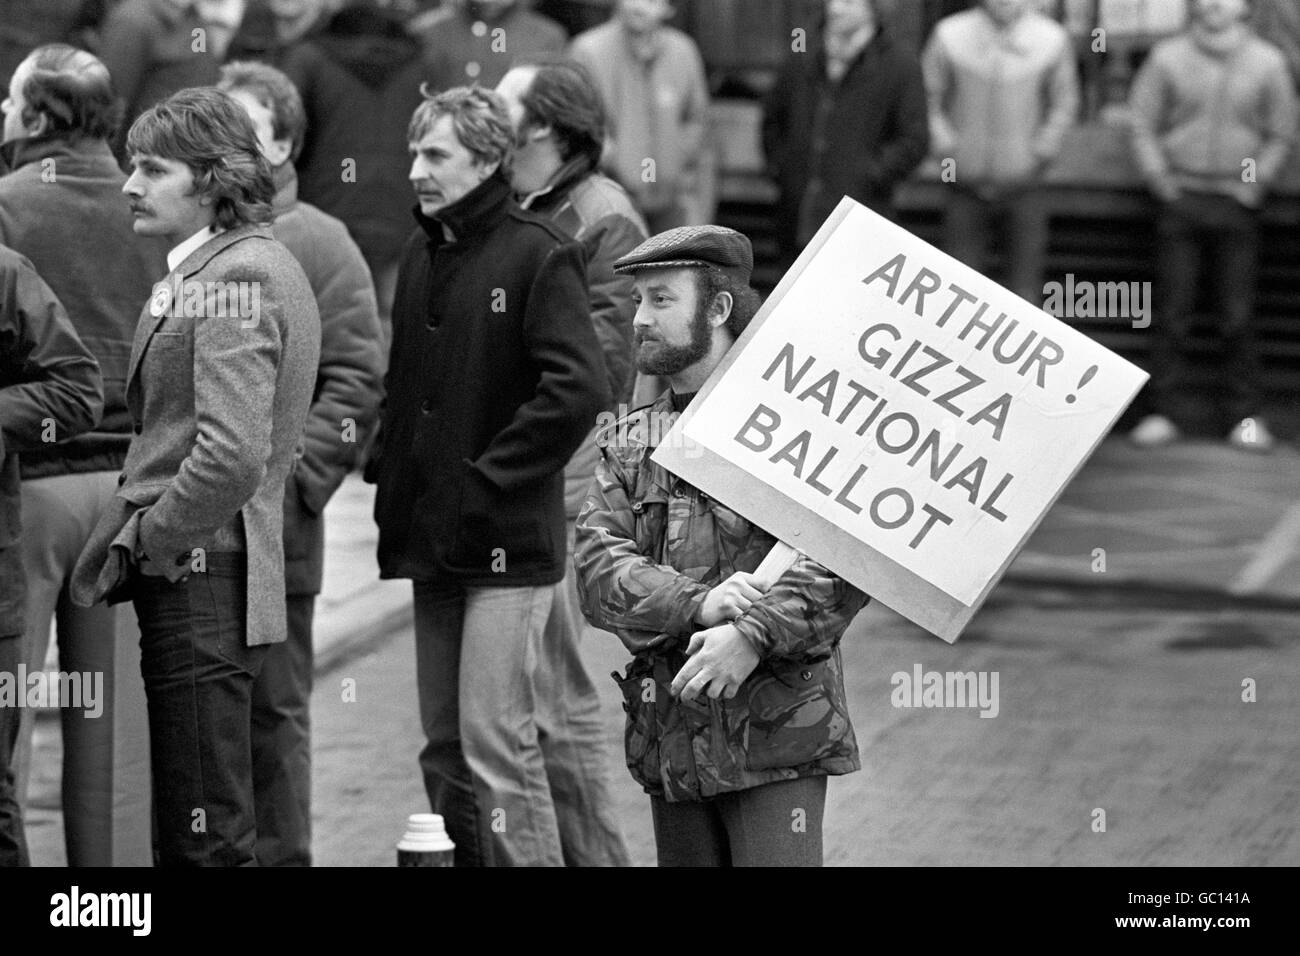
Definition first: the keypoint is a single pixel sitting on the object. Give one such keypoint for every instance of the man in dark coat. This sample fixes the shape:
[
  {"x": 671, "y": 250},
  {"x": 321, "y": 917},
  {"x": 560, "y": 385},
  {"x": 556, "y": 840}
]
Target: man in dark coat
[
  {"x": 495, "y": 377},
  {"x": 343, "y": 410},
  {"x": 846, "y": 117},
  {"x": 58, "y": 117},
  {"x": 50, "y": 389}
]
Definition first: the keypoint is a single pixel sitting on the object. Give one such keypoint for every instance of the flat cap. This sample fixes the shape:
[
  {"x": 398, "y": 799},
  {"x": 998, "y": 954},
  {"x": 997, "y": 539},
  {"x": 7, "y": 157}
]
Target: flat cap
[{"x": 684, "y": 246}]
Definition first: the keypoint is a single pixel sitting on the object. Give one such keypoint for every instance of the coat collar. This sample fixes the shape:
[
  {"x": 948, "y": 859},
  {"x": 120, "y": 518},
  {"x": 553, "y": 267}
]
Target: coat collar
[
  {"x": 560, "y": 184},
  {"x": 85, "y": 153},
  {"x": 285, "y": 178},
  {"x": 476, "y": 212}
]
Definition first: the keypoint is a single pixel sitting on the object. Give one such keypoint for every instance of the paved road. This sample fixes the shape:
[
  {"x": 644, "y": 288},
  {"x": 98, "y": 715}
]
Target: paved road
[{"x": 1136, "y": 711}]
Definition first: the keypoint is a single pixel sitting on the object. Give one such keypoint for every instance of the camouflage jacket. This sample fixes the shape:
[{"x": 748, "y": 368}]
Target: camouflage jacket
[{"x": 649, "y": 548}]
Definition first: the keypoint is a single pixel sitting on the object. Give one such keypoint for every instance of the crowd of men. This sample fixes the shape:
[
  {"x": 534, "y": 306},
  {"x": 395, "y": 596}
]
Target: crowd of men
[{"x": 193, "y": 358}]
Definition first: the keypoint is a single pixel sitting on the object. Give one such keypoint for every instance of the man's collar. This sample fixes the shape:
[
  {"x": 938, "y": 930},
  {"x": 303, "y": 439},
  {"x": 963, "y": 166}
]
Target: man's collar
[
  {"x": 563, "y": 178},
  {"x": 477, "y": 211},
  {"x": 32, "y": 149},
  {"x": 285, "y": 178},
  {"x": 180, "y": 253}
]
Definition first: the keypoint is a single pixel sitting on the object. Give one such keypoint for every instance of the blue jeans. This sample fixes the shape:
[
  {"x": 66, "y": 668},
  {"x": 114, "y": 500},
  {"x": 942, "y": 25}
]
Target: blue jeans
[
  {"x": 475, "y": 655},
  {"x": 198, "y": 677},
  {"x": 775, "y": 824}
]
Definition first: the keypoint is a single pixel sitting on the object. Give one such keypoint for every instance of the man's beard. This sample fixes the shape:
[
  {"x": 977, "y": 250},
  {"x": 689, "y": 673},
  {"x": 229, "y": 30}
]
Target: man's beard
[{"x": 671, "y": 359}]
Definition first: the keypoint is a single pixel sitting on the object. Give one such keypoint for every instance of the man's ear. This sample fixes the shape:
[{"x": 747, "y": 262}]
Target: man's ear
[
  {"x": 720, "y": 309},
  {"x": 37, "y": 127},
  {"x": 279, "y": 152}
]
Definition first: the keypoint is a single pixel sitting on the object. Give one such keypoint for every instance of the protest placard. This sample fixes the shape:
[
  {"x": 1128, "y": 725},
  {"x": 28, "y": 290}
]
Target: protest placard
[{"x": 900, "y": 418}]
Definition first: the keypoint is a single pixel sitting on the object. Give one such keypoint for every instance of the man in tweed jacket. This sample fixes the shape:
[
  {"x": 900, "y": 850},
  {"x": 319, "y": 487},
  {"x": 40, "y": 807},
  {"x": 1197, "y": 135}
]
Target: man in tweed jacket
[{"x": 219, "y": 384}]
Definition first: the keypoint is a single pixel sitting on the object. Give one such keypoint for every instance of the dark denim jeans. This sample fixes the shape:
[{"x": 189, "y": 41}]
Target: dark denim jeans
[
  {"x": 1014, "y": 219},
  {"x": 282, "y": 743},
  {"x": 198, "y": 674},
  {"x": 775, "y": 824},
  {"x": 13, "y": 841},
  {"x": 1203, "y": 232}
]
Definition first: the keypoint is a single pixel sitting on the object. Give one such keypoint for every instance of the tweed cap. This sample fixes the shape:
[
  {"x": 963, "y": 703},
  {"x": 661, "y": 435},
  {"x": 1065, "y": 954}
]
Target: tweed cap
[{"x": 684, "y": 246}]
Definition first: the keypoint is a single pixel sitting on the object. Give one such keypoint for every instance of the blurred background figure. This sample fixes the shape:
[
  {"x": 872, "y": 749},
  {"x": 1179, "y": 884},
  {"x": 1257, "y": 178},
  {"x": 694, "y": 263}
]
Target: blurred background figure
[
  {"x": 477, "y": 41},
  {"x": 359, "y": 77},
  {"x": 345, "y": 405},
  {"x": 27, "y": 24},
  {"x": 272, "y": 27},
  {"x": 152, "y": 49},
  {"x": 1003, "y": 90},
  {"x": 62, "y": 207},
  {"x": 560, "y": 129},
  {"x": 1214, "y": 118},
  {"x": 845, "y": 117},
  {"x": 651, "y": 78}
]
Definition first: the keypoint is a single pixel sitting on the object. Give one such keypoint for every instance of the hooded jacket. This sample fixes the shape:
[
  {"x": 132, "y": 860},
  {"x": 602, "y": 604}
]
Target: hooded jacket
[
  {"x": 648, "y": 550},
  {"x": 359, "y": 77}
]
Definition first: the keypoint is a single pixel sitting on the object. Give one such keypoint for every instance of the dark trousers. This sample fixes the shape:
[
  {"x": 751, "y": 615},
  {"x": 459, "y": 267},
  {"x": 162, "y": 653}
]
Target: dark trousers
[
  {"x": 1013, "y": 219},
  {"x": 198, "y": 676},
  {"x": 776, "y": 824},
  {"x": 1228, "y": 232},
  {"x": 13, "y": 842},
  {"x": 282, "y": 743}
]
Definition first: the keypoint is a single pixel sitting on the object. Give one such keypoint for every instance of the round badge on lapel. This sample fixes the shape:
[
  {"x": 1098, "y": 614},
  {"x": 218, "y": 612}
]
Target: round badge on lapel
[{"x": 161, "y": 299}]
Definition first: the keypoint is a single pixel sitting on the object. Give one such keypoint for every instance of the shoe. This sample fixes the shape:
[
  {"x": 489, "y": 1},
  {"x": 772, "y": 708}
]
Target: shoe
[
  {"x": 1252, "y": 434},
  {"x": 1153, "y": 431}
]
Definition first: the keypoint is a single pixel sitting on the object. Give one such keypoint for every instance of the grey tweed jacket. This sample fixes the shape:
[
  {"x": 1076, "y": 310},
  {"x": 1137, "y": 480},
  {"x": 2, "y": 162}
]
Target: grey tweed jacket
[{"x": 218, "y": 400}]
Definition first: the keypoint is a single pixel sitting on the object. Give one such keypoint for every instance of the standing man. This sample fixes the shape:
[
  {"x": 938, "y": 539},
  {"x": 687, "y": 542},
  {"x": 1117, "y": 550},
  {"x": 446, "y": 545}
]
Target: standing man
[
  {"x": 50, "y": 389},
  {"x": 62, "y": 208},
  {"x": 219, "y": 384},
  {"x": 670, "y": 571},
  {"x": 848, "y": 119},
  {"x": 344, "y": 406},
  {"x": 651, "y": 79},
  {"x": 495, "y": 378},
  {"x": 559, "y": 126},
  {"x": 1214, "y": 119},
  {"x": 1003, "y": 90}
]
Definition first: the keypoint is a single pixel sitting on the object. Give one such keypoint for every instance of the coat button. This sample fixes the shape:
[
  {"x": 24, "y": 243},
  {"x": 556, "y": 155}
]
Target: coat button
[
  {"x": 426, "y": 406},
  {"x": 806, "y": 675},
  {"x": 121, "y": 479},
  {"x": 137, "y": 427}
]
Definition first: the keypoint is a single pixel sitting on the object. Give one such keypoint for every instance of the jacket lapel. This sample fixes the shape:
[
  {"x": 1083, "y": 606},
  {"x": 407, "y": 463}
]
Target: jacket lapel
[{"x": 171, "y": 288}]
